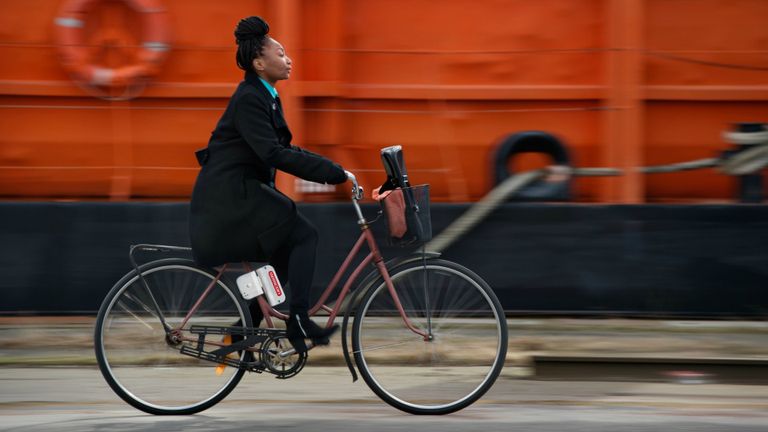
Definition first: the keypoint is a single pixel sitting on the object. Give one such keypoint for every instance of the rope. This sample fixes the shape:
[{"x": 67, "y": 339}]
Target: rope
[
  {"x": 747, "y": 161},
  {"x": 500, "y": 194},
  {"x": 746, "y": 138},
  {"x": 682, "y": 166},
  {"x": 751, "y": 159},
  {"x": 482, "y": 208}
]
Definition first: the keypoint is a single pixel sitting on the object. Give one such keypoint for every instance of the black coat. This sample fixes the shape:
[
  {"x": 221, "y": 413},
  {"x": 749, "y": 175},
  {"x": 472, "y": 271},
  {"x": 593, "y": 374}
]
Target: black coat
[{"x": 236, "y": 212}]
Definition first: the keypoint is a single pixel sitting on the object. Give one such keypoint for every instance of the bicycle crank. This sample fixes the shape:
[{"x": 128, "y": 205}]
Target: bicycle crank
[{"x": 280, "y": 358}]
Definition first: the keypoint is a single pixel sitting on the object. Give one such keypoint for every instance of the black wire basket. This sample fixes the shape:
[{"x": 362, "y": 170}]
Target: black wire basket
[{"x": 406, "y": 214}]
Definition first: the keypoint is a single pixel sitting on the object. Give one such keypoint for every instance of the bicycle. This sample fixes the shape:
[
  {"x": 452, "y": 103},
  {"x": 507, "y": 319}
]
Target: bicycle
[{"x": 428, "y": 336}]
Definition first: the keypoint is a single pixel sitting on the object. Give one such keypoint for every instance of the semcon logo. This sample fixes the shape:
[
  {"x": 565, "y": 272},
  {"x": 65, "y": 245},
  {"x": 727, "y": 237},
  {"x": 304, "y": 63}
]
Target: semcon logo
[{"x": 275, "y": 283}]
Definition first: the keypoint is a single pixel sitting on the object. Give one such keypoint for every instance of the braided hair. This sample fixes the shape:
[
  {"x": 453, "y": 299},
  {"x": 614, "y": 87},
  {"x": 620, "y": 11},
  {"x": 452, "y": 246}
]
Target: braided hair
[{"x": 250, "y": 35}]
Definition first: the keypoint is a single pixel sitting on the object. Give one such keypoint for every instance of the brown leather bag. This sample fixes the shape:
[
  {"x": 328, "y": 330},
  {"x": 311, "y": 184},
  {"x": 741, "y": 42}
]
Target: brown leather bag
[{"x": 393, "y": 203}]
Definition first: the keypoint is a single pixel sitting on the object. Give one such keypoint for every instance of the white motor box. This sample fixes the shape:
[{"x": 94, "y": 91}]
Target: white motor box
[
  {"x": 271, "y": 285},
  {"x": 262, "y": 281},
  {"x": 249, "y": 285}
]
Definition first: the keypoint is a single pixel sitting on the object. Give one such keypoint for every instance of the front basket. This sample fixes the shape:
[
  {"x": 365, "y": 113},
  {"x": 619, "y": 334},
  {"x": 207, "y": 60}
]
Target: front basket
[{"x": 406, "y": 212}]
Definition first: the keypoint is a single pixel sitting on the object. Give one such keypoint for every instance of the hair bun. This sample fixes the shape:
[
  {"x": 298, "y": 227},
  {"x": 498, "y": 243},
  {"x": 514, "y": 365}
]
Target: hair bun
[{"x": 253, "y": 27}]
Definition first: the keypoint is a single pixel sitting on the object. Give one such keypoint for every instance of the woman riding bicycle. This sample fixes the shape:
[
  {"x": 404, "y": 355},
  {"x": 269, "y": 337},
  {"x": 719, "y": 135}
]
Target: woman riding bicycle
[{"x": 237, "y": 214}]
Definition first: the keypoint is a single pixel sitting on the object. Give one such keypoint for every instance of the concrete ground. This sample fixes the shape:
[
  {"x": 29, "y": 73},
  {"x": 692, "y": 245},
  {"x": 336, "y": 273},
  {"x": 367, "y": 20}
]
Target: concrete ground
[
  {"x": 322, "y": 398},
  {"x": 49, "y": 382}
]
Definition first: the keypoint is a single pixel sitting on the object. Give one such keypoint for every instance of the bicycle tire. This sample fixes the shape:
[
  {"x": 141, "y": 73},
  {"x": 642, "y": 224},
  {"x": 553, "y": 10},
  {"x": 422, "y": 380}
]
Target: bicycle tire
[
  {"x": 132, "y": 352},
  {"x": 453, "y": 369}
]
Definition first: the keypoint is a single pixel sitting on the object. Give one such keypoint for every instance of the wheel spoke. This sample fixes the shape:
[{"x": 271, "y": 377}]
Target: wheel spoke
[
  {"x": 138, "y": 318},
  {"x": 447, "y": 372},
  {"x": 379, "y": 347},
  {"x": 141, "y": 364}
]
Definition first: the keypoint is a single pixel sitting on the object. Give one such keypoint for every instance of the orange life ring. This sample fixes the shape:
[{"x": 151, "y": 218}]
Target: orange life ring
[{"x": 70, "y": 24}]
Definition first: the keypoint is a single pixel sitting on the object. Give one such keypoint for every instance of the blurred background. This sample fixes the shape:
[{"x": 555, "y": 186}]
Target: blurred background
[
  {"x": 654, "y": 274},
  {"x": 103, "y": 102}
]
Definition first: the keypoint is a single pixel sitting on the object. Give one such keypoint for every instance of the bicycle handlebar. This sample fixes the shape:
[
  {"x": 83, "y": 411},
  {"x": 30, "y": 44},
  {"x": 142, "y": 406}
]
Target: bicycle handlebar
[
  {"x": 357, "y": 190},
  {"x": 357, "y": 195}
]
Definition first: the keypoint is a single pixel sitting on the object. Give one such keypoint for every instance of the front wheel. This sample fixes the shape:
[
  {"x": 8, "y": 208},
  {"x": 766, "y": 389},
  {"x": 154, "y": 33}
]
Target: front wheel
[
  {"x": 138, "y": 358},
  {"x": 462, "y": 353}
]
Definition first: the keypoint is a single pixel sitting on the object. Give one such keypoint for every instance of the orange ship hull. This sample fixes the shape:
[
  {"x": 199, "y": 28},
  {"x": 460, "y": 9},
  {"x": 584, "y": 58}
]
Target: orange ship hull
[{"x": 623, "y": 83}]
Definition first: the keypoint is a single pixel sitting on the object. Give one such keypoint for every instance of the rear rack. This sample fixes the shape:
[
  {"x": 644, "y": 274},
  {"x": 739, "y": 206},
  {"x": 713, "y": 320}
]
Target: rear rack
[{"x": 153, "y": 248}]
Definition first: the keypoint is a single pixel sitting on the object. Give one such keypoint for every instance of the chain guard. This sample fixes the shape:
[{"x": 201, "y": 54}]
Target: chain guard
[{"x": 270, "y": 342}]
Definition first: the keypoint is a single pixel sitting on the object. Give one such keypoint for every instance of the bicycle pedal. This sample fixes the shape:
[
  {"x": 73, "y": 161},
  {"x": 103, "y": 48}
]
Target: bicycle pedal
[{"x": 220, "y": 368}]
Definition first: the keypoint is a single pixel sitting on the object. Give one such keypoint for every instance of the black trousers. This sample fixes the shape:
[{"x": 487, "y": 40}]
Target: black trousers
[{"x": 294, "y": 262}]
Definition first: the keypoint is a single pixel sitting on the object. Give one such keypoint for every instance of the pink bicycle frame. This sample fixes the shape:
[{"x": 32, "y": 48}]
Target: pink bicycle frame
[{"x": 373, "y": 256}]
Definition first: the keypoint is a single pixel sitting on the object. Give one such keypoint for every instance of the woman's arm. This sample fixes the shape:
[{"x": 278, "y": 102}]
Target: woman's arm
[{"x": 253, "y": 121}]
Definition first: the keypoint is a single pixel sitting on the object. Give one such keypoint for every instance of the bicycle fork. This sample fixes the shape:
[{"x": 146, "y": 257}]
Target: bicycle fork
[{"x": 428, "y": 336}]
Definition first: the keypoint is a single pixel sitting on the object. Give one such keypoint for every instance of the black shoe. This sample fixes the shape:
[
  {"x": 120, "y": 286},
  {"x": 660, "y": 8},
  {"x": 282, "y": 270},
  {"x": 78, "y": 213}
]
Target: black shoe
[{"x": 300, "y": 327}]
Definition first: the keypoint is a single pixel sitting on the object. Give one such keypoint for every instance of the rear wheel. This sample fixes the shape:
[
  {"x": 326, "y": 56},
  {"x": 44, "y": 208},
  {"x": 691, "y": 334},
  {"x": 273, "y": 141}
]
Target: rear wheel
[
  {"x": 138, "y": 359},
  {"x": 464, "y": 350}
]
